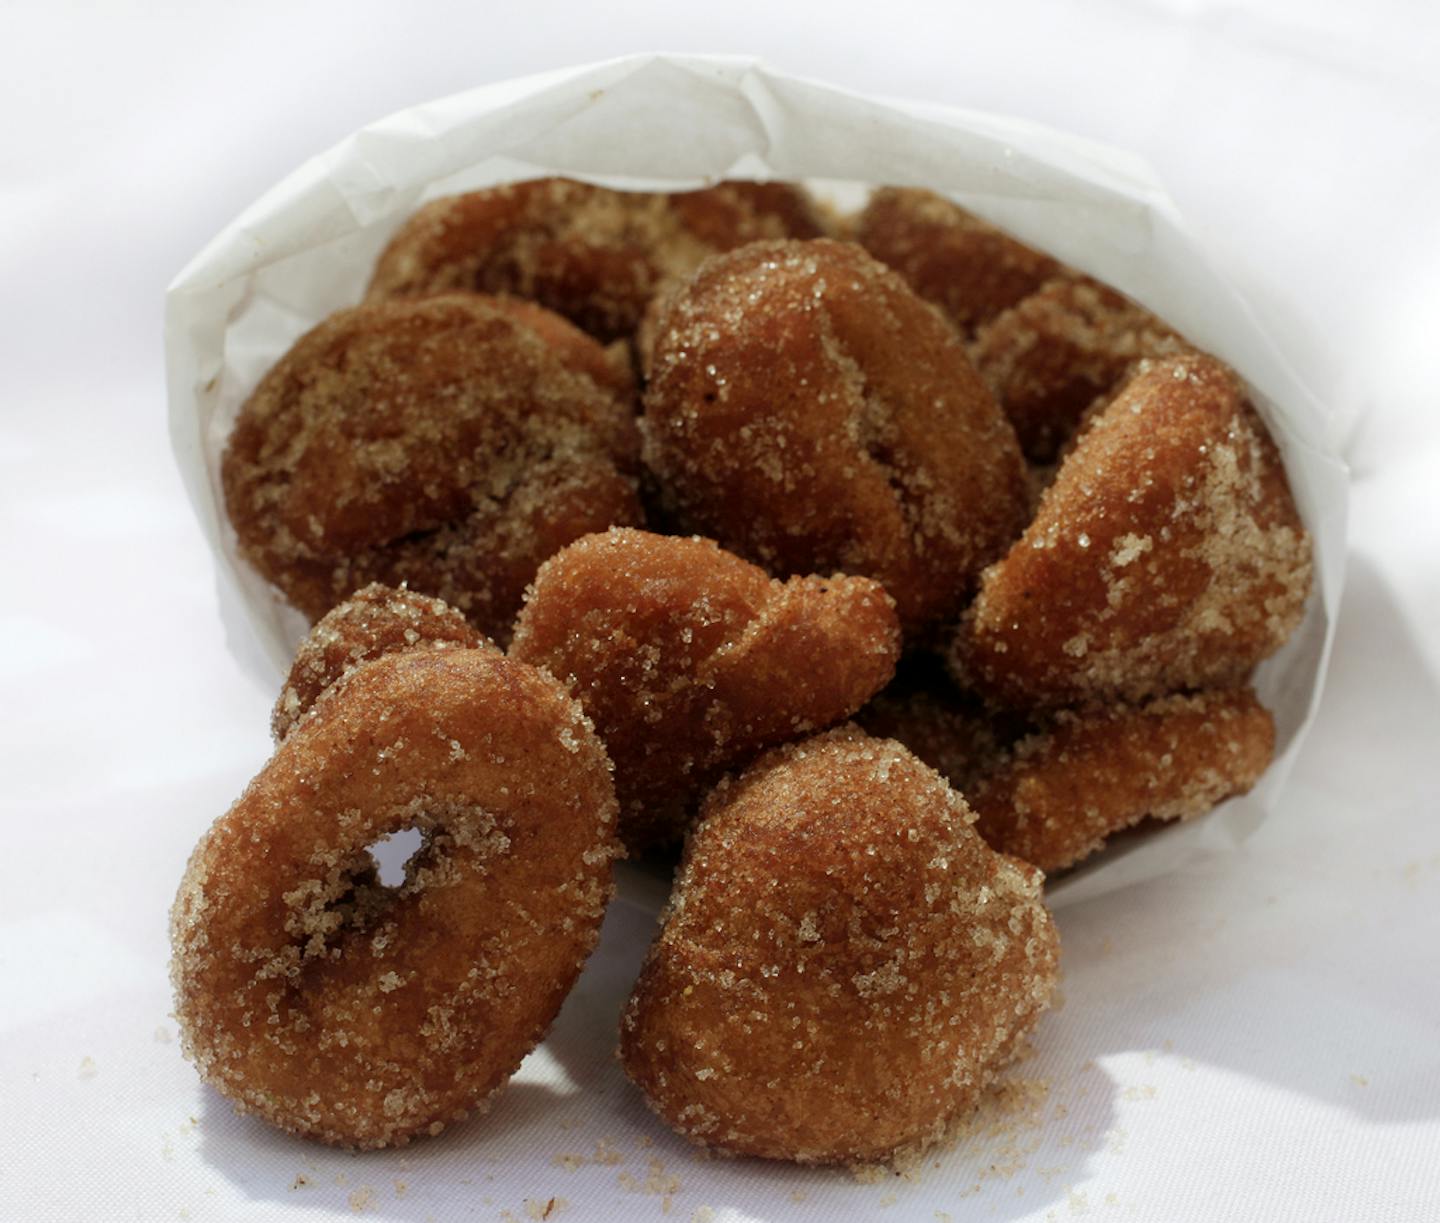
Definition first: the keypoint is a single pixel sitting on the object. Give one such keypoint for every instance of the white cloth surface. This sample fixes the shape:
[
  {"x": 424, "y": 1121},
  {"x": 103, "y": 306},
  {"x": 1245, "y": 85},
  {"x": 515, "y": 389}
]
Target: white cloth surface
[{"x": 1255, "y": 1038}]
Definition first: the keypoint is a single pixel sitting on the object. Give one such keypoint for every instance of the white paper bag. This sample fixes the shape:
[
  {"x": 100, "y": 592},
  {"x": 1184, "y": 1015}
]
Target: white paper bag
[{"x": 667, "y": 122}]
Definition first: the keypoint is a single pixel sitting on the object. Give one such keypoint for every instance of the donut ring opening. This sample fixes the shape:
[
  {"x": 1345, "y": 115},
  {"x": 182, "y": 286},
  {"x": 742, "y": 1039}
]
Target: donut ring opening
[{"x": 361, "y": 1014}]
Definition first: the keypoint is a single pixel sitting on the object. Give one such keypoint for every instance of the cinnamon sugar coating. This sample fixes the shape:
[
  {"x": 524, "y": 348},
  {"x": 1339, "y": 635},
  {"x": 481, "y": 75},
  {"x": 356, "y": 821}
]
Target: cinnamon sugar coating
[
  {"x": 843, "y": 965},
  {"x": 690, "y": 660},
  {"x": 949, "y": 256},
  {"x": 1061, "y": 792},
  {"x": 374, "y": 621},
  {"x": 1166, "y": 555},
  {"x": 451, "y": 443},
  {"x": 591, "y": 254},
  {"x": 359, "y": 1014},
  {"x": 1052, "y": 354},
  {"x": 809, "y": 412}
]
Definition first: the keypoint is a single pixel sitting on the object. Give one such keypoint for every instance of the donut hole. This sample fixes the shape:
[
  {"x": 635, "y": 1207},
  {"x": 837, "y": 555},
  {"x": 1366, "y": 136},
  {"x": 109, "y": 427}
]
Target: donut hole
[
  {"x": 358, "y": 892},
  {"x": 392, "y": 854},
  {"x": 433, "y": 843}
]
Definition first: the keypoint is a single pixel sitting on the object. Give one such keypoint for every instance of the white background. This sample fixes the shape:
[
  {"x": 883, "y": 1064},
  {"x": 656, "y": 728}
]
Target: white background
[{"x": 1258, "y": 1038}]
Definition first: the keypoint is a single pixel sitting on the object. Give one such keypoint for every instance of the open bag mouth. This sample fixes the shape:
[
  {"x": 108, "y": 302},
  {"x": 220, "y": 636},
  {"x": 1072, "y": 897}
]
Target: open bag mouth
[{"x": 672, "y": 123}]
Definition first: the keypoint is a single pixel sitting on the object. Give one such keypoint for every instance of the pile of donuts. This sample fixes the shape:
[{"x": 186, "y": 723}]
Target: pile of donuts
[{"x": 882, "y": 565}]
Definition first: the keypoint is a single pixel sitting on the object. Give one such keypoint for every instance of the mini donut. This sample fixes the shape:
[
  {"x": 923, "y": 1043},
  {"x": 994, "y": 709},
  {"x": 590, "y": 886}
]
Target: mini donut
[
  {"x": 373, "y": 621},
  {"x": 1052, "y": 354},
  {"x": 1166, "y": 555},
  {"x": 690, "y": 660},
  {"x": 843, "y": 966},
  {"x": 451, "y": 444},
  {"x": 809, "y": 412},
  {"x": 358, "y": 1014},
  {"x": 591, "y": 254},
  {"x": 1057, "y": 796},
  {"x": 966, "y": 266}
]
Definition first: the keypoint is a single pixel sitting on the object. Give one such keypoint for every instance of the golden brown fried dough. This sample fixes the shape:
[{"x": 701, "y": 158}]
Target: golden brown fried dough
[
  {"x": 1052, "y": 354},
  {"x": 372, "y": 622},
  {"x": 1062, "y": 792},
  {"x": 808, "y": 411},
  {"x": 359, "y": 1014},
  {"x": 690, "y": 660},
  {"x": 588, "y": 253},
  {"x": 844, "y": 964},
  {"x": 966, "y": 266},
  {"x": 1167, "y": 554},
  {"x": 445, "y": 443}
]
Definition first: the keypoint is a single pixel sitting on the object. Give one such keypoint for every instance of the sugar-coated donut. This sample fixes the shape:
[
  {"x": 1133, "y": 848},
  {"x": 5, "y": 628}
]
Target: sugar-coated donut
[
  {"x": 1166, "y": 555},
  {"x": 375, "y": 620},
  {"x": 809, "y": 412},
  {"x": 1059, "y": 793},
  {"x": 591, "y": 254},
  {"x": 451, "y": 443},
  {"x": 359, "y": 1014},
  {"x": 1054, "y": 353},
  {"x": 690, "y": 660},
  {"x": 966, "y": 266},
  {"x": 843, "y": 965}
]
